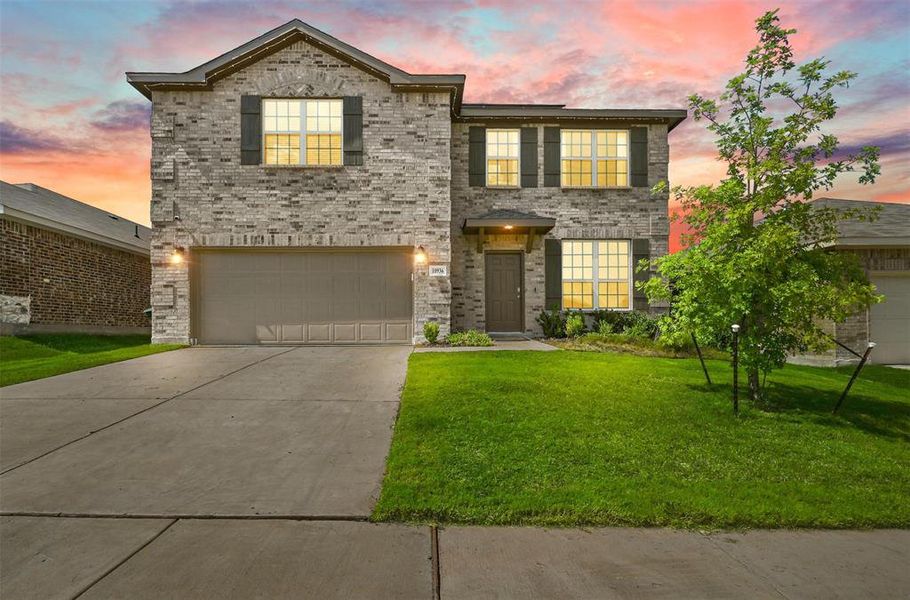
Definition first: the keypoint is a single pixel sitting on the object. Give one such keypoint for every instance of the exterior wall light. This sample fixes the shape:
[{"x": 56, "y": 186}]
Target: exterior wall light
[
  {"x": 177, "y": 256},
  {"x": 420, "y": 257},
  {"x": 507, "y": 227}
]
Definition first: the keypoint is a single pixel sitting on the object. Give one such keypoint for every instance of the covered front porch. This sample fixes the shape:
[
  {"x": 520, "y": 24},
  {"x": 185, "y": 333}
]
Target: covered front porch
[{"x": 504, "y": 270}]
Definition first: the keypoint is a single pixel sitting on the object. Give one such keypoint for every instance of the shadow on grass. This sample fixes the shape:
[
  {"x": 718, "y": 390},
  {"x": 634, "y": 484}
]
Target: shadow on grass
[
  {"x": 877, "y": 416},
  {"x": 85, "y": 344}
]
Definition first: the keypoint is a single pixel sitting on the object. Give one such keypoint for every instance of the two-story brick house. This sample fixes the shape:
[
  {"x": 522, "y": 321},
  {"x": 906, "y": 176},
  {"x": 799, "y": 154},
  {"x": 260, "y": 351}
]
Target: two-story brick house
[{"x": 304, "y": 191}]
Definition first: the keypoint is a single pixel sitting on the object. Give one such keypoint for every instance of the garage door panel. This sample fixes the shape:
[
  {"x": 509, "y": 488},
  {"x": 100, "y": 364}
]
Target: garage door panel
[
  {"x": 315, "y": 297},
  {"x": 889, "y": 321}
]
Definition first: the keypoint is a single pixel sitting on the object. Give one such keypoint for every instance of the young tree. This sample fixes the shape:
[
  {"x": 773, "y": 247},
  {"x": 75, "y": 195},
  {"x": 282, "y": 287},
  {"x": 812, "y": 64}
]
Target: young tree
[{"x": 758, "y": 253}]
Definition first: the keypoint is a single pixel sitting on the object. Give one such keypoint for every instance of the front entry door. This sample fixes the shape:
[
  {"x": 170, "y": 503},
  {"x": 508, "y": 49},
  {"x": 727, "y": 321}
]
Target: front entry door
[{"x": 504, "y": 293}]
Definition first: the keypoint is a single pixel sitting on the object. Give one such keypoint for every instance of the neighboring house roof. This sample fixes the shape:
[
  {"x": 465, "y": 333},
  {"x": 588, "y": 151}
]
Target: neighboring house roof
[
  {"x": 890, "y": 228},
  {"x": 40, "y": 206},
  {"x": 203, "y": 76}
]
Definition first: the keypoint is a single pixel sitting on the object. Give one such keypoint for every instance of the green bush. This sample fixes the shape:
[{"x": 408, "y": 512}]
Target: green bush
[
  {"x": 552, "y": 323},
  {"x": 643, "y": 325},
  {"x": 575, "y": 325},
  {"x": 431, "y": 331},
  {"x": 471, "y": 337}
]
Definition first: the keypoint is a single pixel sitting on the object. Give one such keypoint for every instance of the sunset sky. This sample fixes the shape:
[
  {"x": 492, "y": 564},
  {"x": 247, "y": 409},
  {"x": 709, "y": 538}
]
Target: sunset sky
[{"x": 70, "y": 122}]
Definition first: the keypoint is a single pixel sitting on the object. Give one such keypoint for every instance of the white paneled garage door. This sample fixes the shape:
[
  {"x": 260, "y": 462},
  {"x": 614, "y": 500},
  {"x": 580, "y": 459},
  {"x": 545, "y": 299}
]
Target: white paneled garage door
[
  {"x": 889, "y": 321},
  {"x": 302, "y": 297}
]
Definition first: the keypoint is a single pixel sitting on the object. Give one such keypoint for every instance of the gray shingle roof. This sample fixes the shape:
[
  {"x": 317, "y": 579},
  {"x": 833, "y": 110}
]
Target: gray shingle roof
[
  {"x": 40, "y": 206},
  {"x": 891, "y": 228}
]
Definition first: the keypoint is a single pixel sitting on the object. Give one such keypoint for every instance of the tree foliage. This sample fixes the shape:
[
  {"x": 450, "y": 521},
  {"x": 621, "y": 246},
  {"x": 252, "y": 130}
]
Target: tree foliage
[{"x": 758, "y": 253}]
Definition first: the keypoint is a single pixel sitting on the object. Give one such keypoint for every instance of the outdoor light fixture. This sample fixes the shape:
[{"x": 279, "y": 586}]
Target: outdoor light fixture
[
  {"x": 735, "y": 328},
  {"x": 420, "y": 256},
  {"x": 508, "y": 227},
  {"x": 177, "y": 256}
]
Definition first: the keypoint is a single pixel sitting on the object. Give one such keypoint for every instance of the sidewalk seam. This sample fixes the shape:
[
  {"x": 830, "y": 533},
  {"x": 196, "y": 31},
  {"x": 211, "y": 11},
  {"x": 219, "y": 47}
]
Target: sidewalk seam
[
  {"x": 746, "y": 566},
  {"x": 144, "y": 410},
  {"x": 434, "y": 559},
  {"x": 122, "y": 562}
]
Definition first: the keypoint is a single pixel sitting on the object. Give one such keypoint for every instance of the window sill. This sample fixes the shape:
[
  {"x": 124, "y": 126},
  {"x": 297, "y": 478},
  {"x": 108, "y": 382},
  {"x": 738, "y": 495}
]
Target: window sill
[
  {"x": 502, "y": 187},
  {"x": 292, "y": 167},
  {"x": 590, "y": 187},
  {"x": 592, "y": 310}
]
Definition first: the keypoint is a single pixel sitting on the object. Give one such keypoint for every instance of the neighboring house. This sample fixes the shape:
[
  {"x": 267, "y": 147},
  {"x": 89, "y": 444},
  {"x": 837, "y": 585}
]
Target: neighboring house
[
  {"x": 66, "y": 266},
  {"x": 320, "y": 195},
  {"x": 883, "y": 248}
]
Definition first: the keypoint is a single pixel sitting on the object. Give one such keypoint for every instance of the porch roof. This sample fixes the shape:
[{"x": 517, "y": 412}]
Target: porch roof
[{"x": 508, "y": 221}]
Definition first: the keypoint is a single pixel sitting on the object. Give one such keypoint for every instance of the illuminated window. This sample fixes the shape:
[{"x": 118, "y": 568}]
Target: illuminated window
[
  {"x": 502, "y": 157},
  {"x": 596, "y": 274},
  {"x": 594, "y": 158},
  {"x": 285, "y": 122}
]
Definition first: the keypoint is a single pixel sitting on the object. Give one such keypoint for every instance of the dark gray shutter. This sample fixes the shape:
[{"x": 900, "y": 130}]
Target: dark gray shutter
[
  {"x": 352, "y": 109},
  {"x": 639, "y": 153},
  {"x": 250, "y": 130},
  {"x": 477, "y": 156},
  {"x": 551, "y": 156},
  {"x": 641, "y": 249},
  {"x": 528, "y": 157},
  {"x": 553, "y": 273}
]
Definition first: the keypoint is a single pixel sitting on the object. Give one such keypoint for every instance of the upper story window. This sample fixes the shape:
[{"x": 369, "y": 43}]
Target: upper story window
[
  {"x": 594, "y": 158},
  {"x": 596, "y": 274},
  {"x": 502, "y": 157},
  {"x": 302, "y": 132}
]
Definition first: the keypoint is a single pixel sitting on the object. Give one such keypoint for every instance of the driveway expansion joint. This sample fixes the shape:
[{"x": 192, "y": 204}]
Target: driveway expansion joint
[{"x": 125, "y": 560}]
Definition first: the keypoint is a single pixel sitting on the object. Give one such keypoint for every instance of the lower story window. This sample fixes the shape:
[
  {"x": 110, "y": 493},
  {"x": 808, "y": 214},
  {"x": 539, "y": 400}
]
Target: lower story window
[{"x": 596, "y": 274}]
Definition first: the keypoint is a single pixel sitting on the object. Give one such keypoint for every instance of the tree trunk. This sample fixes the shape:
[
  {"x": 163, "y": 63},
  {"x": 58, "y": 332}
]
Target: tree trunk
[{"x": 754, "y": 385}]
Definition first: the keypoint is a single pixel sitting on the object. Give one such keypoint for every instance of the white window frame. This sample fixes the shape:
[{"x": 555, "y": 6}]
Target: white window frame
[
  {"x": 594, "y": 158},
  {"x": 595, "y": 274},
  {"x": 302, "y": 133},
  {"x": 488, "y": 158}
]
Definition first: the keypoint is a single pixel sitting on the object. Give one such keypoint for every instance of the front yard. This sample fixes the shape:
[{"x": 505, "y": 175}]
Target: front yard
[
  {"x": 575, "y": 438},
  {"x": 37, "y": 356}
]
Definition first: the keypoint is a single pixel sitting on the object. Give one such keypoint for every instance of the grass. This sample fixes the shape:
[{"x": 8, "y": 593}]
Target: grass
[
  {"x": 582, "y": 438},
  {"x": 37, "y": 356}
]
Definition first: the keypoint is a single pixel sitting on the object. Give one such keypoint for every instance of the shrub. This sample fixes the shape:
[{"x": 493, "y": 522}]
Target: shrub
[
  {"x": 575, "y": 325},
  {"x": 431, "y": 331},
  {"x": 552, "y": 323},
  {"x": 643, "y": 325},
  {"x": 472, "y": 337},
  {"x": 606, "y": 321}
]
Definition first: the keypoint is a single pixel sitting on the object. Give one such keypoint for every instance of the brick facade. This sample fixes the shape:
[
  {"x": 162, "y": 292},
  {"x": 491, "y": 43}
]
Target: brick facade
[
  {"x": 580, "y": 214},
  {"x": 72, "y": 281},
  {"x": 412, "y": 190},
  {"x": 399, "y": 197}
]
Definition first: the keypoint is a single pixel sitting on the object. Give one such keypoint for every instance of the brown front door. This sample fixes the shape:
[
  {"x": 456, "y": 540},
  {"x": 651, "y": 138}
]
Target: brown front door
[{"x": 504, "y": 293}]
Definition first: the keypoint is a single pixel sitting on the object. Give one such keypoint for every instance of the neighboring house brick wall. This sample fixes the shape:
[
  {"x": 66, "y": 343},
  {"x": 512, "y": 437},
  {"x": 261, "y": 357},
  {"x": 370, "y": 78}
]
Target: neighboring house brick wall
[
  {"x": 399, "y": 197},
  {"x": 72, "y": 281},
  {"x": 579, "y": 213}
]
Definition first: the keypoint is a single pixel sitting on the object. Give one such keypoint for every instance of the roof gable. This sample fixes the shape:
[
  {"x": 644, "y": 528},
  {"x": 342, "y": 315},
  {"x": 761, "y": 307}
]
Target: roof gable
[{"x": 203, "y": 76}]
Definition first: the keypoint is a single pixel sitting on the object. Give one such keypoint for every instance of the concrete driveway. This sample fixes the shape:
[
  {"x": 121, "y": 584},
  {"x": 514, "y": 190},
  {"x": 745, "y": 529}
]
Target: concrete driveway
[{"x": 202, "y": 433}]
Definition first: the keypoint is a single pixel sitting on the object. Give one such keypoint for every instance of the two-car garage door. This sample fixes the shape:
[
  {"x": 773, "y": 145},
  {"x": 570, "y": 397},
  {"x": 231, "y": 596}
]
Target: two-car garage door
[{"x": 302, "y": 297}]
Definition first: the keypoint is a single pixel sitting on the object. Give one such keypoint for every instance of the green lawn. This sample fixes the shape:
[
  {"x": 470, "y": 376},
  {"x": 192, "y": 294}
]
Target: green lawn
[
  {"x": 574, "y": 438},
  {"x": 36, "y": 356}
]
